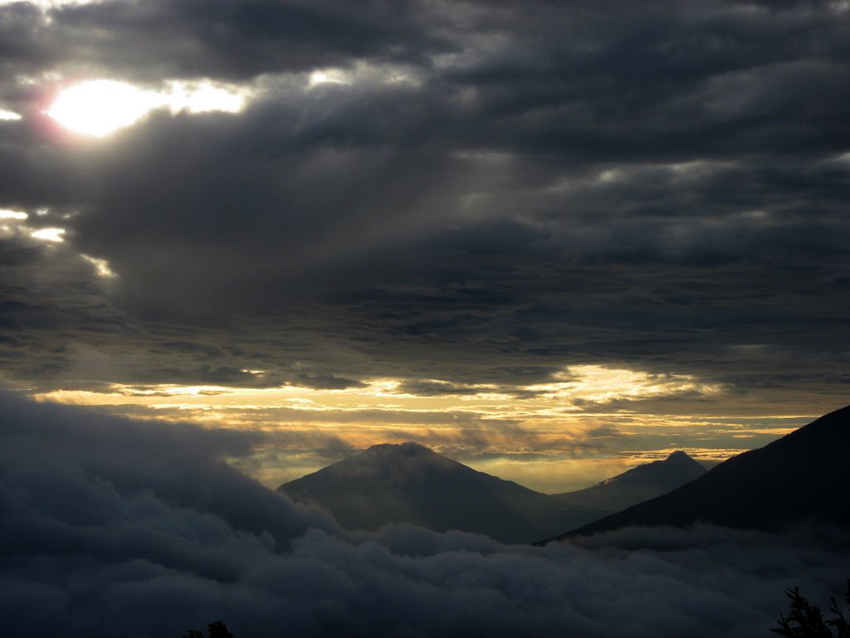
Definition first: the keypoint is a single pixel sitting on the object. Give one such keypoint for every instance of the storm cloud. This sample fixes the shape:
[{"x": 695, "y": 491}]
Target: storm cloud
[{"x": 661, "y": 189}]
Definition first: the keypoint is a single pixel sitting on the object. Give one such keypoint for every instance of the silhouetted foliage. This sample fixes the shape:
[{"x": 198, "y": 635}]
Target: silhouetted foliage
[
  {"x": 218, "y": 629},
  {"x": 807, "y": 621},
  {"x": 215, "y": 629}
]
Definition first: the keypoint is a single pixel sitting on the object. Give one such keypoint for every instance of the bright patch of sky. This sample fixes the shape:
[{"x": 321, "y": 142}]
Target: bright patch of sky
[
  {"x": 45, "y": 5},
  {"x": 101, "y": 267},
  {"x": 100, "y": 107},
  {"x": 364, "y": 73},
  {"x": 6, "y": 213},
  {"x": 599, "y": 384},
  {"x": 54, "y": 235},
  {"x": 330, "y": 76},
  {"x": 555, "y": 427},
  {"x": 582, "y": 384}
]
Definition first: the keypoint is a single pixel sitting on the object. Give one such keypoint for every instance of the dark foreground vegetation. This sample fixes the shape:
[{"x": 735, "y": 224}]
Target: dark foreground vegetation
[
  {"x": 803, "y": 621},
  {"x": 215, "y": 629},
  {"x": 806, "y": 620}
]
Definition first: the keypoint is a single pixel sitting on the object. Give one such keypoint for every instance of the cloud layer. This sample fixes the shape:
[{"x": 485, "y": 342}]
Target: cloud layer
[{"x": 118, "y": 528}]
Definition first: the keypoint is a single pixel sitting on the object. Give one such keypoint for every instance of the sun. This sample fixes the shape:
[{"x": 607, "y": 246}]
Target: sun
[{"x": 100, "y": 107}]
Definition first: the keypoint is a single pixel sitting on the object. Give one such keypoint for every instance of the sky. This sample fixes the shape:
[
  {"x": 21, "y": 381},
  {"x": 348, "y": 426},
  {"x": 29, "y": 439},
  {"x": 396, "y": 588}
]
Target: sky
[{"x": 548, "y": 239}]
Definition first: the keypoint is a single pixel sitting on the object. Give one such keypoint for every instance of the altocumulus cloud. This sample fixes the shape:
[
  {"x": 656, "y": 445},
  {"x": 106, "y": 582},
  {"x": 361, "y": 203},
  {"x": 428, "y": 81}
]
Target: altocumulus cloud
[{"x": 114, "y": 528}]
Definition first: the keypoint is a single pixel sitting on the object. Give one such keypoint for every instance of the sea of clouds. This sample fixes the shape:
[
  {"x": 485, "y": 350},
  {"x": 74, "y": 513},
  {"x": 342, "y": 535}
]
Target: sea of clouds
[{"x": 111, "y": 527}]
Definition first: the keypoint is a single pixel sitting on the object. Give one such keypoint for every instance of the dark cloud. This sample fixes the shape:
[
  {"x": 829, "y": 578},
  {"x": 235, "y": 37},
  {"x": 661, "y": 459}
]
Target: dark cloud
[
  {"x": 222, "y": 39},
  {"x": 442, "y": 388},
  {"x": 661, "y": 188},
  {"x": 117, "y": 528}
]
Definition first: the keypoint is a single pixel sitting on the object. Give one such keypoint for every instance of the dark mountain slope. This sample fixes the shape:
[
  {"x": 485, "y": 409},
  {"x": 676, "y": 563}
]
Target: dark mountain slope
[
  {"x": 638, "y": 484},
  {"x": 409, "y": 483},
  {"x": 802, "y": 477}
]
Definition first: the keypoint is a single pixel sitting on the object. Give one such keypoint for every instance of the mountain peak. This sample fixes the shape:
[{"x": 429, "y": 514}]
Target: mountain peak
[
  {"x": 681, "y": 459},
  {"x": 638, "y": 484},
  {"x": 410, "y": 483},
  {"x": 408, "y": 448},
  {"x": 391, "y": 463},
  {"x": 791, "y": 480}
]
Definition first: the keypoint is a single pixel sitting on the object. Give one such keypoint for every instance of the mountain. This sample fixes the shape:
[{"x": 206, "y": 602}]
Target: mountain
[
  {"x": 638, "y": 484},
  {"x": 409, "y": 483},
  {"x": 800, "y": 478}
]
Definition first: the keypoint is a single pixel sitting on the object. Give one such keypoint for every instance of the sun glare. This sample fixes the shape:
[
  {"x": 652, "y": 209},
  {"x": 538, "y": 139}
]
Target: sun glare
[{"x": 99, "y": 107}]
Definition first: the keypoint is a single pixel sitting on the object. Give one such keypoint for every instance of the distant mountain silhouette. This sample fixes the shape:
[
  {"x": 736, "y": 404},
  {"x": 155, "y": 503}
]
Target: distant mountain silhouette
[
  {"x": 802, "y": 477},
  {"x": 639, "y": 484},
  {"x": 409, "y": 483}
]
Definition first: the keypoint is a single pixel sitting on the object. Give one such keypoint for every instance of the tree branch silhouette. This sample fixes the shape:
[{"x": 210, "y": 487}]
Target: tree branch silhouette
[
  {"x": 806, "y": 620},
  {"x": 215, "y": 629}
]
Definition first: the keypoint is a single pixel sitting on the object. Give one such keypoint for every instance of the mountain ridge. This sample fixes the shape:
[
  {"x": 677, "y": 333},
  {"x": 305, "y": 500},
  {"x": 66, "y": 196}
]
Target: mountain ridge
[
  {"x": 790, "y": 481},
  {"x": 638, "y": 484},
  {"x": 409, "y": 483}
]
